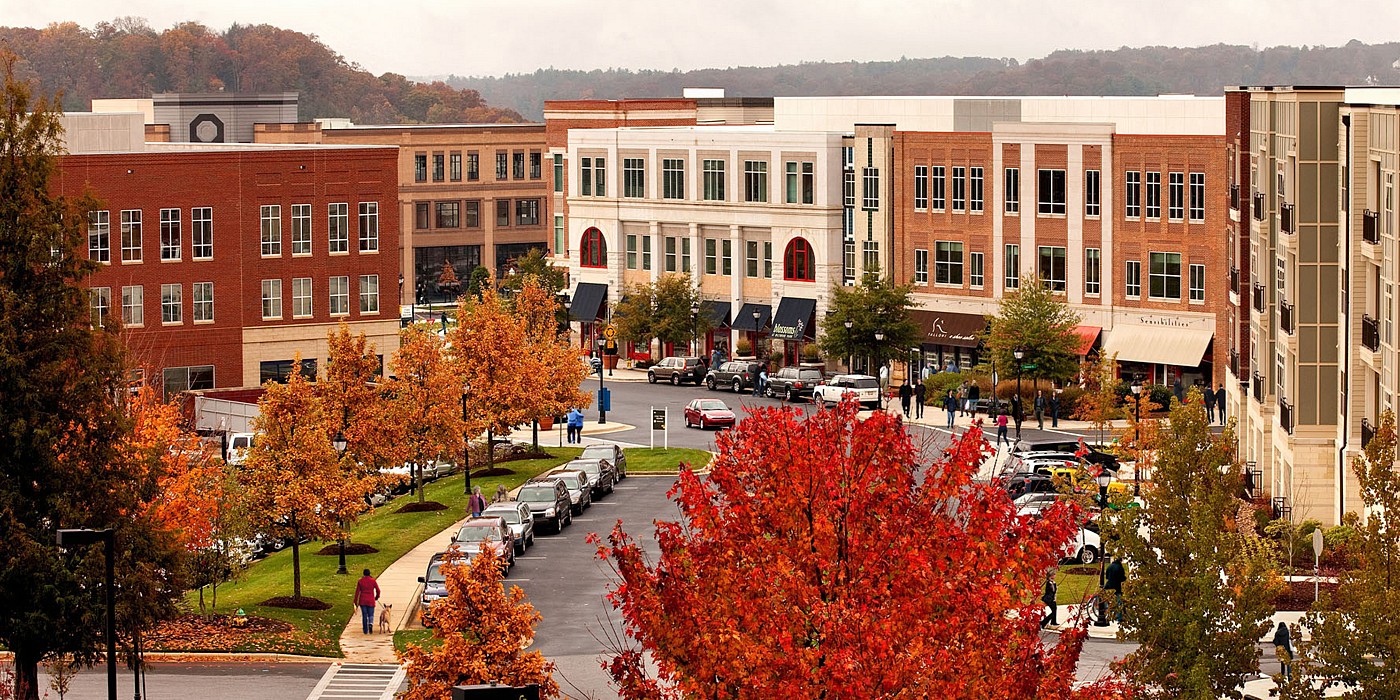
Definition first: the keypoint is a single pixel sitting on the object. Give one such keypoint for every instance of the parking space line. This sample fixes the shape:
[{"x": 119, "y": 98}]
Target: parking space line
[{"x": 519, "y": 558}]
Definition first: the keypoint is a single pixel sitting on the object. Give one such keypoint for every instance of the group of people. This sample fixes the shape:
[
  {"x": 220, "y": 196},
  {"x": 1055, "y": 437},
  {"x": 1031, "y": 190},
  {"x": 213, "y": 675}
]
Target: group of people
[{"x": 1214, "y": 401}]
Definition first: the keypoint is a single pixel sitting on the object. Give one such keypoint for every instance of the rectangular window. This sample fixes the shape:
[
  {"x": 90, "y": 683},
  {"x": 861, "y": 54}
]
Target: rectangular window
[
  {"x": 100, "y": 304},
  {"x": 420, "y": 167},
  {"x": 447, "y": 214},
  {"x": 1198, "y": 283},
  {"x": 685, "y": 255},
  {"x": 202, "y": 233},
  {"x": 712, "y": 172},
  {"x": 870, "y": 189},
  {"x": 948, "y": 263},
  {"x": 454, "y": 166},
  {"x": 535, "y": 163},
  {"x": 169, "y": 234},
  {"x": 369, "y": 226},
  {"x": 340, "y": 295},
  {"x": 711, "y": 256},
  {"x": 1132, "y": 195},
  {"x": 870, "y": 255},
  {"x": 633, "y": 178},
  {"x": 172, "y": 303},
  {"x": 809, "y": 183},
  {"x": 1092, "y": 270},
  {"x": 600, "y": 177},
  {"x": 559, "y": 246},
  {"x": 975, "y": 275},
  {"x": 959, "y": 189},
  {"x": 1091, "y": 194},
  {"x": 202, "y": 294},
  {"x": 270, "y": 216},
  {"x": 921, "y": 188},
  {"x": 472, "y": 219},
  {"x": 558, "y": 173},
  {"x": 848, "y": 182},
  {"x": 1132, "y": 279},
  {"x": 751, "y": 258},
  {"x": 1013, "y": 191},
  {"x": 791, "y": 182},
  {"x": 1164, "y": 276},
  {"x": 939, "y": 199},
  {"x": 1198, "y": 197},
  {"x": 1176, "y": 196},
  {"x": 1154, "y": 195},
  {"x": 338, "y": 227},
  {"x": 502, "y": 165},
  {"x": 281, "y": 370},
  {"x": 755, "y": 181},
  {"x": 100, "y": 236},
  {"x": 1052, "y": 267},
  {"x": 131, "y": 235},
  {"x": 727, "y": 255},
  {"x": 473, "y": 165},
  {"x": 301, "y": 229},
  {"x": 768, "y": 259},
  {"x": 438, "y": 168},
  {"x": 920, "y": 266},
  {"x": 975, "y": 205},
  {"x": 848, "y": 260},
  {"x": 302, "y": 305},
  {"x": 133, "y": 306},
  {"x": 670, "y": 253},
  {"x": 673, "y": 178},
  {"x": 502, "y": 213},
  {"x": 1050, "y": 192},
  {"x": 1013, "y": 266},
  {"x": 271, "y": 299},
  {"x": 369, "y": 294},
  {"x": 176, "y": 380},
  {"x": 646, "y": 252},
  {"x": 527, "y": 212},
  {"x": 517, "y": 165}
]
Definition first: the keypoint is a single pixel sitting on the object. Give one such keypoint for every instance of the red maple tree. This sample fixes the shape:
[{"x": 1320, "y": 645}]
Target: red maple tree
[{"x": 818, "y": 559}]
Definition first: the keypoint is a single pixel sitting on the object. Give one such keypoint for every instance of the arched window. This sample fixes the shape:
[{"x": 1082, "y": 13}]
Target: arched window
[
  {"x": 799, "y": 261},
  {"x": 593, "y": 251}
]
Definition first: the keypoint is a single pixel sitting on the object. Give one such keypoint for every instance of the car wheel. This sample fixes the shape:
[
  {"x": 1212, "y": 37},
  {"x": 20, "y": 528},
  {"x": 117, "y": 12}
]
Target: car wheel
[
  {"x": 530, "y": 541},
  {"x": 1088, "y": 556},
  {"x": 710, "y": 384},
  {"x": 702, "y": 422},
  {"x": 651, "y": 377},
  {"x": 738, "y": 387},
  {"x": 675, "y": 380},
  {"x": 787, "y": 394}
]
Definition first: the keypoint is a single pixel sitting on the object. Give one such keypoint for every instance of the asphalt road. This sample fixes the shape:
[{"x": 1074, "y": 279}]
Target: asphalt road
[{"x": 226, "y": 681}]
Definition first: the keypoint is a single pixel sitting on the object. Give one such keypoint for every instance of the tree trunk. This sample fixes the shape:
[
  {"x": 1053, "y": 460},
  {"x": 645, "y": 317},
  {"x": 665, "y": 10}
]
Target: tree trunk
[
  {"x": 26, "y": 676},
  {"x": 535, "y": 434},
  {"x": 490, "y": 452},
  {"x": 419, "y": 467},
  {"x": 296, "y": 560}
]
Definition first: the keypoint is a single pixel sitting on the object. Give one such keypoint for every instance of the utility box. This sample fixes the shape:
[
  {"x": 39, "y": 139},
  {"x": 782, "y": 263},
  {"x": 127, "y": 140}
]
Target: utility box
[{"x": 495, "y": 692}]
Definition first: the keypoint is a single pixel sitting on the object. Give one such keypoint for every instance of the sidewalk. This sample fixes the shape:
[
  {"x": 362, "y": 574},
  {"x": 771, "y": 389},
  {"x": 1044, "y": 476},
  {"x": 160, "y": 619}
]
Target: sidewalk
[{"x": 1065, "y": 613}]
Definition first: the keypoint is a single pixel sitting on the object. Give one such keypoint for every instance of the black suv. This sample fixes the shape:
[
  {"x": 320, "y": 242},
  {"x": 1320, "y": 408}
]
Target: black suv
[
  {"x": 1093, "y": 456},
  {"x": 549, "y": 503},
  {"x": 677, "y": 370},
  {"x": 790, "y": 383},
  {"x": 739, "y": 376}
]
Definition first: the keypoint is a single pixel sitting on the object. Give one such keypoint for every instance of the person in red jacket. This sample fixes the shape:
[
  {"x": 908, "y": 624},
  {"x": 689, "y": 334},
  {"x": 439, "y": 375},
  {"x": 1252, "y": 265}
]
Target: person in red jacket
[{"x": 367, "y": 597}]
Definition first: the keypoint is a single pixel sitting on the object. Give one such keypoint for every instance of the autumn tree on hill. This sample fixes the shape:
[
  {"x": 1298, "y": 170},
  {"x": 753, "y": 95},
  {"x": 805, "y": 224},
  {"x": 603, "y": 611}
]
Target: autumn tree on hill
[
  {"x": 426, "y": 393},
  {"x": 482, "y": 632},
  {"x": 558, "y": 375},
  {"x": 814, "y": 561}
]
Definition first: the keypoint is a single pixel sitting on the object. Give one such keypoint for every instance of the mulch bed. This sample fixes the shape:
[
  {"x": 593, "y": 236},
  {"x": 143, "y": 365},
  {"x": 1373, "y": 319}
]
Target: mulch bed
[
  {"x": 333, "y": 549},
  {"x": 302, "y": 603},
  {"x": 1298, "y": 595},
  {"x": 498, "y": 471},
  {"x": 425, "y": 506},
  {"x": 1081, "y": 570},
  {"x": 217, "y": 633}
]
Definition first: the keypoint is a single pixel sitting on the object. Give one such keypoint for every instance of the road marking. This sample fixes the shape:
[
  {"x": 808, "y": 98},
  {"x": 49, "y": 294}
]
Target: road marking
[
  {"x": 367, "y": 681},
  {"x": 519, "y": 558},
  {"x": 583, "y": 520},
  {"x": 626, "y": 488}
]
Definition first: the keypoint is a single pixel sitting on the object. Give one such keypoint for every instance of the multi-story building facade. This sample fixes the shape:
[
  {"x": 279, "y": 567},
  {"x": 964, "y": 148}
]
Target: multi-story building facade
[{"x": 223, "y": 262}]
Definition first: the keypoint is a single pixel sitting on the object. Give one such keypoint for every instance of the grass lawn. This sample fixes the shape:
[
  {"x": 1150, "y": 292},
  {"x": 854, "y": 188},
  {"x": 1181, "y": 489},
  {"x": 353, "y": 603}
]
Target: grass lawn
[
  {"x": 645, "y": 459},
  {"x": 1075, "y": 588},
  {"x": 317, "y": 632},
  {"x": 423, "y": 638}
]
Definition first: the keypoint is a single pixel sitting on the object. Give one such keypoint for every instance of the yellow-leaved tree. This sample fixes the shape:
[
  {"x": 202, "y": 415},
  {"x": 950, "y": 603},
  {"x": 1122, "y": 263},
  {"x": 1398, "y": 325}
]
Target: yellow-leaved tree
[
  {"x": 426, "y": 396},
  {"x": 356, "y": 406},
  {"x": 491, "y": 356},
  {"x": 558, "y": 373}
]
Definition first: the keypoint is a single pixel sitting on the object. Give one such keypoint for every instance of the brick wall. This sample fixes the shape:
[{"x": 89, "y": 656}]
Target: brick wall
[{"x": 920, "y": 230}]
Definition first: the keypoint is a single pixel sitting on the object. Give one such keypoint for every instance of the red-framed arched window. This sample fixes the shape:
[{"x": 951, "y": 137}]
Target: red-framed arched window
[
  {"x": 593, "y": 250},
  {"x": 799, "y": 261}
]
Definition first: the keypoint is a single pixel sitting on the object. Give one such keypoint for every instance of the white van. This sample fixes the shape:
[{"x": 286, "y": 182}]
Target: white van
[{"x": 238, "y": 446}]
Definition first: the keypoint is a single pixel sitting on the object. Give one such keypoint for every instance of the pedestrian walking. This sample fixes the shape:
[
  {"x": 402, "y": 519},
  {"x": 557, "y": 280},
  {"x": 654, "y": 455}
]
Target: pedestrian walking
[
  {"x": 761, "y": 382},
  {"x": 906, "y": 394},
  {"x": 1001, "y": 428},
  {"x": 962, "y": 397},
  {"x": 1208, "y": 400},
  {"x": 575, "y": 425},
  {"x": 920, "y": 398},
  {"x": 1283, "y": 649},
  {"x": 1220, "y": 403},
  {"x": 1039, "y": 409},
  {"x": 367, "y": 598},
  {"x": 1018, "y": 414},
  {"x": 477, "y": 502},
  {"x": 973, "y": 394},
  {"x": 950, "y": 404},
  {"x": 502, "y": 495},
  {"x": 1048, "y": 597},
  {"x": 715, "y": 358},
  {"x": 1177, "y": 390},
  {"x": 1055, "y": 409},
  {"x": 1114, "y": 577}
]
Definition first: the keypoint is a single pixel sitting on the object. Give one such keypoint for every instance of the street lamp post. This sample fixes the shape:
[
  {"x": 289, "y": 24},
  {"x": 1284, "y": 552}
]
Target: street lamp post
[
  {"x": 1104, "y": 478},
  {"x": 884, "y": 381},
  {"x": 466, "y": 444},
  {"x": 340, "y": 443},
  {"x": 848, "y": 323},
  {"x": 1019, "y": 354},
  {"x": 756, "y": 316},
  {"x": 602, "y": 412},
  {"x": 107, "y": 536},
  {"x": 694, "y": 328},
  {"x": 1137, "y": 428}
]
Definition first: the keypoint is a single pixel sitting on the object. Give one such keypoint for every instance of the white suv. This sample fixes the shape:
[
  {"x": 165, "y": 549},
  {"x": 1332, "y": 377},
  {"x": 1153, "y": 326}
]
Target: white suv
[{"x": 865, "y": 389}]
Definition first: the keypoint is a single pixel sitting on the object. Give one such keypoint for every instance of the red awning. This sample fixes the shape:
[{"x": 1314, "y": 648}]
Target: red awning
[{"x": 1088, "y": 335}]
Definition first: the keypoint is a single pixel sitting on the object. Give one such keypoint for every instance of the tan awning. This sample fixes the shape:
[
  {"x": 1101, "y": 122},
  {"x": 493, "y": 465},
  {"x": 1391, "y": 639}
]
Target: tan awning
[{"x": 1180, "y": 347}]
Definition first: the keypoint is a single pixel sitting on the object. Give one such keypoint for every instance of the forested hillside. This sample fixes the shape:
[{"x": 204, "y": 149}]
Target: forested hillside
[
  {"x": 1126, "y": 71},
  {"x": 127, "y": 58}
]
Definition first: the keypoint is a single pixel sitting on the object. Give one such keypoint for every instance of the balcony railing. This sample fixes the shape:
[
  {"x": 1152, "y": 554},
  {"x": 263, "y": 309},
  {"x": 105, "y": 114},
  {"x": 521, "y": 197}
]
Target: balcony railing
[
  {"x": 1285, "y": 317},
  {"x": 1234, "y": 362},
  {"x": 1282, "y": 511},
  {"x": 1370, "y": 333},
  {"x": 1235, "y": 197},
  {"x": 1367, "y": 432},
  {"x": 1258, "y": 387},
  {"x": 1285, "y": 415},
  {"x": 1286, "y": 222},
  {"x": 1369, "y": 231},
  {"x": 1259, "y": 298},
  {"x": 1259, "y": 212},
  {"x": 1253, "y": 480},
  {"x": 1235, "y": 280}
]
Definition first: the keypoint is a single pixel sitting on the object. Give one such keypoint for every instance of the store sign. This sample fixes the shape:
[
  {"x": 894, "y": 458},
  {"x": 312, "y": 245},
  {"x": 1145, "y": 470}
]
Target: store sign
[{"x": 792, "y": 332}]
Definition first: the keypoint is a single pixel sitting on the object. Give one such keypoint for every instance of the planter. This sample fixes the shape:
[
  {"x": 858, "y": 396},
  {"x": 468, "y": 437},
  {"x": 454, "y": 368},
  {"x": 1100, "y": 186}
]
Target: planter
[
  {"x": 610, "y": 361},
  {"x": 547, "y": 423}
]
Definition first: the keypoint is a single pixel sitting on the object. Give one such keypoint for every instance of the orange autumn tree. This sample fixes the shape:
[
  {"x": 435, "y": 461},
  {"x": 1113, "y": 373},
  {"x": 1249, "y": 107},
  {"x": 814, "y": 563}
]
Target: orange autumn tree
[
  {"x": 492, "y": 356},
  {"x": 189, "y": 479},
  {"x": 426, "y": 399},
  {"x": 355, "y": 405},
  {"x": 819, "y": 559},
  {"x": 482, "y": 632},
  {"x": 559, "y": 374}
]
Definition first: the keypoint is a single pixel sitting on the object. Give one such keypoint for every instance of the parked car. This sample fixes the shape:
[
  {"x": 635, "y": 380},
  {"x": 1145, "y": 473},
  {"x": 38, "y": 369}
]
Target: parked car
[
  {"x": 518, "y": 519},
  {"x": 738, "y": 375},
  {"x": 601, "y": 475},
  {"x": 708, "y": 413},
  {"x": 1085, "y": 547},
  {"x": 1022, "y": 484},
  {"x": 1094, "y": 455},
  {"x": 612, "y": 453},
  {"x": 1035, "y": 503},
  {"x": 548, "y": 502},
  {"x": 792, "y": 383},
  {"x": 434, "y": 586},
  {"x": 986, "y": 407},
  {"x": 677, "y": 370},
  {"x": 865, "y": 389},
  {"x": 491, "y": 530},
  {"x": 580, "y": 494}
]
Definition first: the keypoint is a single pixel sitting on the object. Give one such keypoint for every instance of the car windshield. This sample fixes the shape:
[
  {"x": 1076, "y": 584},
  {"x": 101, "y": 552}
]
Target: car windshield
[
  {"x": 867, "y": 384},
  {"x": 711, "y": 405},
  {"x": 543, "y": 493},
  {"x": 598, "y": 451},
  {"x": 476, "y": 533},
  {"x": 510, "y": 515},
  {"x": 435, "y": 574},
  {"x": 586, "y": 465}
]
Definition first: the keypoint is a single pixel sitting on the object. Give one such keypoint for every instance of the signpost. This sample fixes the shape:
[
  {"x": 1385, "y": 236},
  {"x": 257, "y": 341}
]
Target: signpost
[
  {"x": 658, "y": 422},
  {"x": 1317, "y": 556}
]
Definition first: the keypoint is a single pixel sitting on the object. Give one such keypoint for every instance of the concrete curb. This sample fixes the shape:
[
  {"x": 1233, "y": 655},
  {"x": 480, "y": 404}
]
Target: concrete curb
[{"x": 195, "y": 657}]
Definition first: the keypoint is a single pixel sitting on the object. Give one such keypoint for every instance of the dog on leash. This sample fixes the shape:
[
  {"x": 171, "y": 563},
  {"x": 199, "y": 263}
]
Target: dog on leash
[{"x": 384, "y": 618}]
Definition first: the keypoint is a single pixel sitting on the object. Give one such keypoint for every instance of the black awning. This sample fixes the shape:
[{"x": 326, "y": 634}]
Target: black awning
[
  {"x": 794, "y": 319},
  {"x": 587, "y": 302},
  {"x": 743, "y": 321},
  {"x": 717, "y": 312}
]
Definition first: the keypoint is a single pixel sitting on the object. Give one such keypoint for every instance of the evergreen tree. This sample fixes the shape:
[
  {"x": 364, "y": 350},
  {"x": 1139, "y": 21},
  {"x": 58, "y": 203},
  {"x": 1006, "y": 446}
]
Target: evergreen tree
[
  {"x": 1040, "y": 324},
  {"x": 876, "y": 305}
]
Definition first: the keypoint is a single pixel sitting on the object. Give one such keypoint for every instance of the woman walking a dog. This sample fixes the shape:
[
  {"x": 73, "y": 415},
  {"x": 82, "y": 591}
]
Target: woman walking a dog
[{"x": 367, "y": 597}]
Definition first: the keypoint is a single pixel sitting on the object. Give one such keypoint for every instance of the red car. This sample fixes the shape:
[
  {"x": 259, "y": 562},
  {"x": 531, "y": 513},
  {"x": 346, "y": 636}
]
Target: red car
[{"x": 705, "y": 413}]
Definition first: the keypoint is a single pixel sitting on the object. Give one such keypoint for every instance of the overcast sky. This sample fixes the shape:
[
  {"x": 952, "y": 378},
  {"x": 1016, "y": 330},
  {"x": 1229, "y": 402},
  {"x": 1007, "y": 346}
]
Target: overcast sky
[{"x": 492, "y": 37}]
